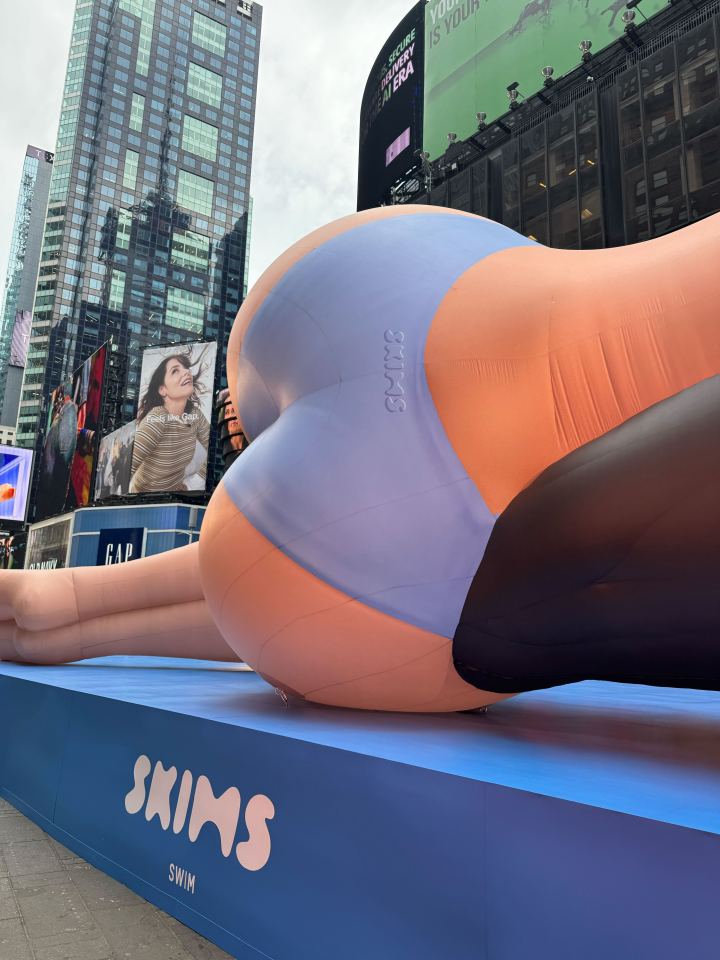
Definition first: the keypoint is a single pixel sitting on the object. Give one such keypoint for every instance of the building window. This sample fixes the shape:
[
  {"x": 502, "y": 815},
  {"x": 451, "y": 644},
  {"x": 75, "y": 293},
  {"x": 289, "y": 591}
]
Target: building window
[
  {"x": 563, "y": 163},
  {"x": 204, "y": 85},
  {"x": 117, "y": 290},
  {"x": 699, "y": 72},
  {"x": 190, "y": 250},
  {"x": 199, "y": 138},
  {"x": 185, "y": 309},
  {"x": 137, "y": 111},
  {"x": 195, "y": 193},
  {"x": 124, "y": 229},
  {"x": 703, "y": 167},
  {"x": 144, "y": 10},
  {"x": 209, "y": 34},
  {"x": 666, "y": 193},
  {"x": 590, "y": 220},
  {"x": 132, "y": 158}
]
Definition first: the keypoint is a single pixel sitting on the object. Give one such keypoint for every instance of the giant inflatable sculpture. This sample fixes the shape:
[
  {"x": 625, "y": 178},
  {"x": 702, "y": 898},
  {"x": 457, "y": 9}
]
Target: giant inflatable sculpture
[{"x": 478, "y": 466}]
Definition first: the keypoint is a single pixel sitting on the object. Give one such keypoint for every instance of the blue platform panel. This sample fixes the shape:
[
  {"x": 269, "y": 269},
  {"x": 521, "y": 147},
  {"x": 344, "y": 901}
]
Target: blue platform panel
[{"x": 576, "y": 822}]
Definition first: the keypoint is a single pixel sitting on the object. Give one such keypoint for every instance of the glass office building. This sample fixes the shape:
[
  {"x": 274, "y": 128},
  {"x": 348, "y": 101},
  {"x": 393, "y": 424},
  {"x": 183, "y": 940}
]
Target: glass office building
[
  {"x": 625, "y": 148},
  {"x": 146, "y": 236},
  {"x": 22, "y": 273}
]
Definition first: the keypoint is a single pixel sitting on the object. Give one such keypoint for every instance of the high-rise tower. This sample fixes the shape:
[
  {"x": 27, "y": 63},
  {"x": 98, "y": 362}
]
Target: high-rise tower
[
  {"x": 21, "y": 279},
  {"x": 147, "y": 224}
]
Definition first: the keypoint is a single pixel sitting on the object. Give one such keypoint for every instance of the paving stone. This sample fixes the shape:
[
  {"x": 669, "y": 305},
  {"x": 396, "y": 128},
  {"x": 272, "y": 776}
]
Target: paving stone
[
  {"x": 28, "y": 857},
  {"x": 7, "y": 809},
  {"x": 99, "y": 891},
  {"x": 8, "y": 904},
  {"x": 53, "y": 911},
  {"x": 13, "y": 942},
  {"x": 54, "y": 906},
  {"x": 140, "y": 933},
  {"x": 95, "y": 949},
  {"x": 62, "y": 853},
  {"x": 198, "y": 947},
  {"x": 17, "y": 829},
  {"x": 33, "y": 881}
]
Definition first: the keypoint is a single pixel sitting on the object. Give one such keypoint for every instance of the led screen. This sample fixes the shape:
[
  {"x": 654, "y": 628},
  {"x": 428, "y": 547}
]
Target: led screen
[
  {"x": 15, "y": 477},
  {"x": 170, "y": 449},
  {"x": 391, "y": 111},
  {"x": 57, "y": 453},
  {"x": 112, "y": 478},
  {"x": 87, "y": 396},
  {"x": 475, "y": 48},
  {"x": 71, "y": 438},
  {"x": 12, "y": 551},
  {"x": 232, "y": 439},
  {"x": 20, "y": 338}
]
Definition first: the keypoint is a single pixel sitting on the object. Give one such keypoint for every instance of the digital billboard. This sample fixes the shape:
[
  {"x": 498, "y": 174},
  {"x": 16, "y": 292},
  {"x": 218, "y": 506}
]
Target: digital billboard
[
  {"x": 170, "y": 450},
  {"x": 47, "y": 544},
  {"x": 15, "y": 477},
  {"x": 71, "y": 437},
  {"x": 112, "y": 478},
  {"x": 58, "y": 452},
  {"x": 391, "y": 110},
  {"x": 12, "y": 551},
  {"x": 20, "y": 338},
  {"x": 475, "y": 48},
  {"x": 87, "y": 397},
  {"x": 232, "y": 439}
]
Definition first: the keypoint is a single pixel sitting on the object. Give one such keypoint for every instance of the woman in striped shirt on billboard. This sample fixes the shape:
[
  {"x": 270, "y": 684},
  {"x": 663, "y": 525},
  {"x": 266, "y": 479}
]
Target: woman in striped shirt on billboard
[{"x": 170, "y": 425}]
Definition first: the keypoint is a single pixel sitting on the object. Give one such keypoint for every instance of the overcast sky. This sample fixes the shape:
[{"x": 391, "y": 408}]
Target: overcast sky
[{"x": 315, "y": 57}]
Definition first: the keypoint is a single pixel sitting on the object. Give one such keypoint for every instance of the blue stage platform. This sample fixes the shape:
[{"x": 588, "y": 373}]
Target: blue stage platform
[{"x": 580, "y": 822}]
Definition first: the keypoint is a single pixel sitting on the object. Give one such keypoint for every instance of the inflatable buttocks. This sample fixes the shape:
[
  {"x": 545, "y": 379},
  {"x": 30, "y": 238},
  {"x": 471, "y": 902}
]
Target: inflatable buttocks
[{"x": 477, "y": 466}]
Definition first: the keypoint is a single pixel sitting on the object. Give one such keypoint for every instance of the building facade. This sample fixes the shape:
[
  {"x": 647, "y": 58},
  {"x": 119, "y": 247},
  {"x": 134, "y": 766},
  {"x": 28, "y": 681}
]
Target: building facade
[
  {"x": 21, "y": 279},
  {"x": 147, "y": 226},
  {"x": 624, "y": 148}
]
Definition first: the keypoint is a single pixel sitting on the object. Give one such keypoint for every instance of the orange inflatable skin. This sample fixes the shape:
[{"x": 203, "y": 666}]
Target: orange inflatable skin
[
  {"x": 560, "y": 351},
  {"x": 554, "y": 348}
]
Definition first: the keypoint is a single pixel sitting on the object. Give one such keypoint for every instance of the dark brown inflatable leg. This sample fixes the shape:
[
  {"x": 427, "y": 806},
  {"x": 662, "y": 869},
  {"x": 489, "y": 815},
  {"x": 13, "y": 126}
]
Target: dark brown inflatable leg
[{"x": 608, "y": 565}]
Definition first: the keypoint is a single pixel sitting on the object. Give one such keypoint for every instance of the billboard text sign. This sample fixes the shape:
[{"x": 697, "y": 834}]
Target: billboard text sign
[
  {"x": 391, "y": 111},
  {"x": 120, "y": 546}
]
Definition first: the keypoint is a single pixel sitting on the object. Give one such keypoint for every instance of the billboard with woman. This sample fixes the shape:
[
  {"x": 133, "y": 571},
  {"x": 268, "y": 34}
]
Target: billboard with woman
[{"x": 173, "y": 420}]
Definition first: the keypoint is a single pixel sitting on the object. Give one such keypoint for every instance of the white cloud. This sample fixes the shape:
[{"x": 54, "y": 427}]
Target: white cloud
[
  {"x": 314, "y": 60},
  {"x": 34, "y": 43}
]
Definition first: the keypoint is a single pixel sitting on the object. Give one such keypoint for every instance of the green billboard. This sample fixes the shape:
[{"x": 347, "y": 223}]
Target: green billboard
[{"x": 475, "y": 48}]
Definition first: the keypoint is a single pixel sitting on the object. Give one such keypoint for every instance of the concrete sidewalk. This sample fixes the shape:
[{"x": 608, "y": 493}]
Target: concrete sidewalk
[{"x": 54, "y": 906}]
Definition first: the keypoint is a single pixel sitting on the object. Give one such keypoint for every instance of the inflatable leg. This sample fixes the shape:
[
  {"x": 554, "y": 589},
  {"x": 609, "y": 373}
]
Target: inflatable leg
[
  {"x": 606, "y": 567},
  {"x": 151, "y": 607}
]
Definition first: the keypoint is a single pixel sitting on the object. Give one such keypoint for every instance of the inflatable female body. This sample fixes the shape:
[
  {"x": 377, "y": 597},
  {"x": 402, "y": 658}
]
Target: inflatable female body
[{"x": 479, "y": 466}]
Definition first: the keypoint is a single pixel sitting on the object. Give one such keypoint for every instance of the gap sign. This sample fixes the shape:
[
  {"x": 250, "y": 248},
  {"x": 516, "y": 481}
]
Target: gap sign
[{"x": 119, "y": 546}]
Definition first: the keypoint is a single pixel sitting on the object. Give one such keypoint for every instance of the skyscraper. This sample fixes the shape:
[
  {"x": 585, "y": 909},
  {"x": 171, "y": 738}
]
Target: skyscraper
[
  {"x": 21, "y": 279},
  {"x": 147, "y": 225}
]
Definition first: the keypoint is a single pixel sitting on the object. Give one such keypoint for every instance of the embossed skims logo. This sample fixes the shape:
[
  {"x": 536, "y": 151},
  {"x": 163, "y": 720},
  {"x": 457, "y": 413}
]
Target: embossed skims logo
[
  {"x": 395, "y": 371},
  {"x": 222, "y": 811}
]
